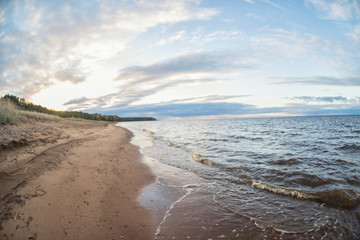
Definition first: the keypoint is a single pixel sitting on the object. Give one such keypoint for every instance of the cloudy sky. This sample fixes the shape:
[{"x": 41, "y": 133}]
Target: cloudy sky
[{"x": 184, "y": 58}]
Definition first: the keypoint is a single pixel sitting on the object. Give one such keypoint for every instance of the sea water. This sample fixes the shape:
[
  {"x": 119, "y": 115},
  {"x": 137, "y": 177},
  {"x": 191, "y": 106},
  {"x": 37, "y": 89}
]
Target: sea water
[{"x": 261, "y": 178}]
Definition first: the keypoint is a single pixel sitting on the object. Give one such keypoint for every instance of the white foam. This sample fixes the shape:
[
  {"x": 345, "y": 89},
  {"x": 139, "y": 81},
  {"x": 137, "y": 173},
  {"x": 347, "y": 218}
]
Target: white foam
[
  {"x": 283, "y": 191},
  {"x": 189, "y": 188},
  {"x": 171, "y": 144},
  {"x": 200, "y": 159}
]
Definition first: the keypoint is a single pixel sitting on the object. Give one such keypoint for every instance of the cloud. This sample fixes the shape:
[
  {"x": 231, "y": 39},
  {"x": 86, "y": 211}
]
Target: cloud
[
  {"x": 207, "y": 99},
  {"x": 279, "y": 6},
  {"x": 46, "y": 42},
  {"x": 218, "y": 35},
  {"x": 128, "y": 94},
  {"x": 324, "y": 105},
  {"x": 219, "y": 109},
  {"x": 149, "y": 14},
  {"x": 336, "y": 99},
  {"x": 336, "y": 81},
  {"x": 139, "y": 82},
  {"x": 291, "y": 44},
  {"x": 355, "y": 35},
  {"x": 35, "y": 46},
  {"x": 217, "y": 105},
  {"x": 249, "y": 1},
  {"x": 200, "y": 37},
  {"x": 77, "y": 101},
  {"x": 316, "y": 110},
  {"x": 177, "y": 37},
  {"x": 336, "y": 9},
  {"x": 192, "y": 68},
  {"x": 102, "y": 104},
  {"x": 190, "y": 63},
  {"x": 169, "y": 110}
]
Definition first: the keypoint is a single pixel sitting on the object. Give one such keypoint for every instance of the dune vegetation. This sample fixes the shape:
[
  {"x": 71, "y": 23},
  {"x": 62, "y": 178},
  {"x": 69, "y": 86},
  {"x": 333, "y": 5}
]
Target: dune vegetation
[
  {"x": 10, "y": 113},
  {"x": 14, "y": 109}
]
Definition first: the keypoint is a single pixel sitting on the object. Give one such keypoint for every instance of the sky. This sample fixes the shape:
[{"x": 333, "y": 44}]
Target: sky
[{"x": 186, "y": 58}]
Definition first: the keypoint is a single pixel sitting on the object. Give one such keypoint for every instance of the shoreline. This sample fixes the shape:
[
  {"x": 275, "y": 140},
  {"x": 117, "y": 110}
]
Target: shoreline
[
  {"x": 193, "y": 200},
  {"x": 72, "y": 180}
]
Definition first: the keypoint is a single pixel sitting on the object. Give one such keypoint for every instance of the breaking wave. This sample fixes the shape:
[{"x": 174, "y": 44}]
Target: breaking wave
[
  {"x": 171, "y": 144},
  {"x": 282, "y": 191},
  {"x": 345, "y": 199},
  {"x": 197, "y": 157},
  {"x": 150, "y": 133}
]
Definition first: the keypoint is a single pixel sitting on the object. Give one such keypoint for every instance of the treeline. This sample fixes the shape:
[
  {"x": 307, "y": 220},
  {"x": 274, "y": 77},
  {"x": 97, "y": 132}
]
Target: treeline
[{"x": 28, "y": 106}]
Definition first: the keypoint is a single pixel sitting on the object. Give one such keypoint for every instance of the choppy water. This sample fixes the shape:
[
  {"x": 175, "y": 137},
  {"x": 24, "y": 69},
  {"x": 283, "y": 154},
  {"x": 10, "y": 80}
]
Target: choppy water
[{"x": 296, "y": 176}]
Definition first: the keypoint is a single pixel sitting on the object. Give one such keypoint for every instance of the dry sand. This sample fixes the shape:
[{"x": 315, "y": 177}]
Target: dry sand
[{"x": 71, "y": 180}]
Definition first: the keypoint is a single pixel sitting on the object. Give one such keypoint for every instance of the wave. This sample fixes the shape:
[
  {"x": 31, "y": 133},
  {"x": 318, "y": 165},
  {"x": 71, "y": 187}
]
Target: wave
[
  {"x": 353, "y": 180},
  {"x": 290, "y": 161},
  {"x": 350, "y": 147},
  {"x": 344, "y": 162},
  {"x": 256, "y": 139},
  {"x": 297, "y": 177},
  {"x": 171, "y": 144},
  {"x": 345, "y": 199},
  {"x": 341, "y": 161},
  {"x": 197, "y": 157},
  {"x": 282, "y": 191},
  {"x": 236, "y": 137},
  {"x": 219, "y": 140},
  {"x": 150, "y": 133}
]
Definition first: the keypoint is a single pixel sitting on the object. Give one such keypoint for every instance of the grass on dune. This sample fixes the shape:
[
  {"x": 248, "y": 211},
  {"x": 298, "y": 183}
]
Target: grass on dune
[{"x": 9, "y": 113}]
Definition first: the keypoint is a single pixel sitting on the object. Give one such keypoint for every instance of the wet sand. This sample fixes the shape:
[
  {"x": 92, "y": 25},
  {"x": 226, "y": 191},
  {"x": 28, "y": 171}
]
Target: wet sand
[{"x": 71, "y": 180}]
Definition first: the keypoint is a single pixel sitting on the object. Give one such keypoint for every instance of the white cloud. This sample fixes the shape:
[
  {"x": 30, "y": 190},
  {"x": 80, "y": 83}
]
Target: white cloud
[
  {"x": 280, "y": 42},
  {"x": 180, "y": 35},
  {"x": 357, "y": 8},
  {"x": 327, "y": 99},
  {"x": 316, "y": 80},
  {"x": 46, "y": 42},
  {"x": 249, "y": 1},
  {"x": 355, "y": 35},
  {"x": 200, "y": 37},
  {"x": 193, "y": 68},
  {"x": 221, "y": 35},
  {"x": 211, "y": 62},
  {"x": 337, "y": 9},
  {"x": 207, "y": 99}
]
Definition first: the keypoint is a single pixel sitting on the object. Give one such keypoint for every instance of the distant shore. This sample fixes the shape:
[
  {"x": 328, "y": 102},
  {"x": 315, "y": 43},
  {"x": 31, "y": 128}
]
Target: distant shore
[{"x": 71, "y": 180}]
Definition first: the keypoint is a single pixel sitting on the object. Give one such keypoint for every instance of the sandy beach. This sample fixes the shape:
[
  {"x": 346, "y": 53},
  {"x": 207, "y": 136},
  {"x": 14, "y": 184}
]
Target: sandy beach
[{"x": 71, "y": 180}]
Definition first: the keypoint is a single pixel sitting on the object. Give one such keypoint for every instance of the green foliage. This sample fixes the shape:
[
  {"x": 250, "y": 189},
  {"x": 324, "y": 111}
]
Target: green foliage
[{"x": 21, "y": 104}]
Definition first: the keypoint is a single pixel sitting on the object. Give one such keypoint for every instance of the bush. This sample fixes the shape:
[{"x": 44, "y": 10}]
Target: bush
[{"x": 8, "y": 112}]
